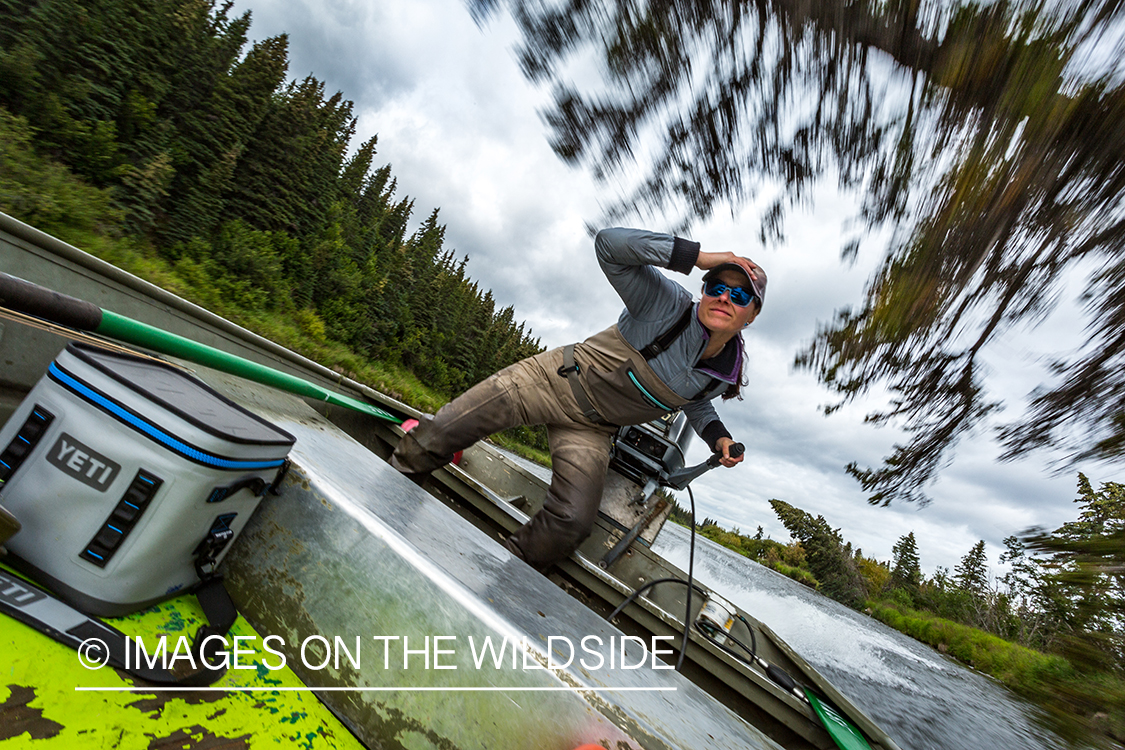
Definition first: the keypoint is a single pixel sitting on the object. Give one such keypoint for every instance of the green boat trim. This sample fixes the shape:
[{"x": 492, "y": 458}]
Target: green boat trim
[{"x": 134, "y": 332}]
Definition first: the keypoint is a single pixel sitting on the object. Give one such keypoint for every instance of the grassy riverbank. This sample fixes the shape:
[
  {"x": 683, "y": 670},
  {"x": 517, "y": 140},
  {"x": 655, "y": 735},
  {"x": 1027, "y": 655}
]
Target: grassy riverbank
[
  {"x": 1017, "y": 667},
  {"x": 1048, "y": 680}
]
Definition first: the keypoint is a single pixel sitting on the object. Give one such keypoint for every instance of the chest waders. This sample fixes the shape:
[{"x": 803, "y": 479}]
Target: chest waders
[
  {"x": 613, "y": 382},
  {"x": 622, "y": 389}
]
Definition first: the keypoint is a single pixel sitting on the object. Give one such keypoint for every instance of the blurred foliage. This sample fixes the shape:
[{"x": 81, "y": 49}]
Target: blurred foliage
[
  {"x": 1085, "y": 571},
  {"x": 988, "y": 135}
]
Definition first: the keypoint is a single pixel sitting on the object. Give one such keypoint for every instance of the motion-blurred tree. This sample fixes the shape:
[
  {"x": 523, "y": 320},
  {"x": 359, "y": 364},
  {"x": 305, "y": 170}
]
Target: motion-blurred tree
[
  {"x": 1037, "y": 600},
  {"x": 990, "y": 134},
  {"x": 1087, "y": 558}
]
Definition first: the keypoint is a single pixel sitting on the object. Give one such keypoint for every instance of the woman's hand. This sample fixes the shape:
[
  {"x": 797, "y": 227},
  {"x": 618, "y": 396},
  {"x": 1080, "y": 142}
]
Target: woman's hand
[
  {"x": 722, "y": 445},
  {"x": 707, "y": 261}
]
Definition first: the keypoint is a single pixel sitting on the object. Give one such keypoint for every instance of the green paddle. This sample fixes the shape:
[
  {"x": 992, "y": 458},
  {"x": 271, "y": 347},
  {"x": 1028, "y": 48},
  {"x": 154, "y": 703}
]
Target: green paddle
[
  {"x": 843, "y": 732},
  {"x": 40, "y": 302}
]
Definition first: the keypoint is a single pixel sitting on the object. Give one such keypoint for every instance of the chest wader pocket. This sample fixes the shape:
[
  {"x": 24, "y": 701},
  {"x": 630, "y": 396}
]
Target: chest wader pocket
[{"x": 622, "y": 398}]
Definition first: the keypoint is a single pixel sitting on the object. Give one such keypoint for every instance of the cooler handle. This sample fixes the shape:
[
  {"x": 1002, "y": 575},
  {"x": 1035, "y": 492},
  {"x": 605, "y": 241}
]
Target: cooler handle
[{"x": 256, "y": 484}]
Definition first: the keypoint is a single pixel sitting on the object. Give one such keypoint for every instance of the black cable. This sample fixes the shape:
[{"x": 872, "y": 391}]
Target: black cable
[
  {"x": 632, "y": 597},
  {"x": 753, "y": 640},
  {"x": 778, "y": 676},
  {"x": 711, "y": 637},
  {"x": 724, "y": 647},
  {"x": 691, "y": 584}
]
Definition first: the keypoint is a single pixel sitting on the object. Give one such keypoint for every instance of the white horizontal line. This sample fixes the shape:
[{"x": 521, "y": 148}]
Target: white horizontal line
[{"x": 375, "y": 689}]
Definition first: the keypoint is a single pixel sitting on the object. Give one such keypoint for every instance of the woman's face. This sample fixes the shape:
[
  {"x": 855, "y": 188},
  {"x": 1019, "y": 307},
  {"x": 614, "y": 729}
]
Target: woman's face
[{"x": 721, "y": 316}]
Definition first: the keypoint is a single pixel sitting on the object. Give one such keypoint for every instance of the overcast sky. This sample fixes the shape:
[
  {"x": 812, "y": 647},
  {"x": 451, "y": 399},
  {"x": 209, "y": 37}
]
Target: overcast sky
[{"x": 460, "y": 127}]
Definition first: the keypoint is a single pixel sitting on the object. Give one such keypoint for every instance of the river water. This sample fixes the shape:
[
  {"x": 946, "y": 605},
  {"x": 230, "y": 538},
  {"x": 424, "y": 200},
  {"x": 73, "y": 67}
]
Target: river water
[{"x": 920, "y": 697}]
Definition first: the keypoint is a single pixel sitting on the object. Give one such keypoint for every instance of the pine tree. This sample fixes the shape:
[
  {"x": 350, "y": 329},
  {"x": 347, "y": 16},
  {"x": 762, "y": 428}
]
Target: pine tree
[
  {"x": 906, "y": 569},
  {"x": 289, "y": 171},
  {"x": 830, "y": 562},
  {"x": 1088, "y": 556},
  {"x": 971, "y": 574},
  {"x": 213, "y": 137},
  {"x": 354, "y": 176},
  {"x": 1039, "y": 604},
  {"x": 203, "y": 153}
]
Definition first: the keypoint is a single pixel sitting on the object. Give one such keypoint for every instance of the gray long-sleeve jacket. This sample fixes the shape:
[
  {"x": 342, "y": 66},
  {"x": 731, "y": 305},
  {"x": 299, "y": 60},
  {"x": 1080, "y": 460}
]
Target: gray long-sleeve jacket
[{"x": 653, "y": 303}]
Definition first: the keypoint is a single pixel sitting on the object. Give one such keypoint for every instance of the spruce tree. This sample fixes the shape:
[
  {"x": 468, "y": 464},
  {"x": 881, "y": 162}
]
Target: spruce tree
[
  {"x": 211, "y": 159},
  {"x": 288, "y": 174},
  {"x": 1087, "y": 562},
  {"x": 906, "y": 569},
  {"x": 213, "y": 137},
  {"x": 1088, "y": 556},
  {"x": 971, "y": 574},
  {"x": 829, "y": 560}
]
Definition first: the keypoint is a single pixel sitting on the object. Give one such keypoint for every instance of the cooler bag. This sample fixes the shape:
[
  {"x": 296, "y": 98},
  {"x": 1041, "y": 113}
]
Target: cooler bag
[{"x": 130, "y": 478}]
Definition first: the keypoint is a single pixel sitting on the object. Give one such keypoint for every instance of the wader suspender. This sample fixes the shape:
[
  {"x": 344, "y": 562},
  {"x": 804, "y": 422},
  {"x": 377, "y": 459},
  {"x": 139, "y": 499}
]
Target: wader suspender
[
  {"x": 570, "y": 368},
  {"x": 664, "y": 340}
]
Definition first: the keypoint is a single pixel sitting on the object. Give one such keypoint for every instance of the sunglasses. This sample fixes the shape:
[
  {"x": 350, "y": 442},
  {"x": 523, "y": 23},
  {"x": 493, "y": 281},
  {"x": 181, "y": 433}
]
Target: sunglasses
[{"x": 739, "y": 296}]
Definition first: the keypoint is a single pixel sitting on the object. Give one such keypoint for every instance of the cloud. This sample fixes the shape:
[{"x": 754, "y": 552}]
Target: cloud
[{"x": 351, "y": 45}]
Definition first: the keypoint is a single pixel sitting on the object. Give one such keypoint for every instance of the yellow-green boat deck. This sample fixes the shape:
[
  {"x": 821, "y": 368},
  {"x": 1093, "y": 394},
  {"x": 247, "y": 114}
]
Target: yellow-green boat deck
[{"x": 45, "y": 701}]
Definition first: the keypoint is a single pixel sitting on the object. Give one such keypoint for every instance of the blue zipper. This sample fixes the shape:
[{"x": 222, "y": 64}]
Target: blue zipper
[
  {"x": 152, "y": 431},
  {"x": 651, "y": 399}
]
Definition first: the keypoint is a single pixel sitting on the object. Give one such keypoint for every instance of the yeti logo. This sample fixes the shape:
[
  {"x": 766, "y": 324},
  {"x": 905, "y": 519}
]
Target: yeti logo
[
  {"x": 16, "y": 593},
  {"x": 83, "y": 463}
]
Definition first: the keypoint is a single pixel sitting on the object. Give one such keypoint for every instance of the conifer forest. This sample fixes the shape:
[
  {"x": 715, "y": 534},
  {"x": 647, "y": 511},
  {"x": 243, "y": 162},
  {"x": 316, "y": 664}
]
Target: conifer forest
[{"x": 154, "y": 122}]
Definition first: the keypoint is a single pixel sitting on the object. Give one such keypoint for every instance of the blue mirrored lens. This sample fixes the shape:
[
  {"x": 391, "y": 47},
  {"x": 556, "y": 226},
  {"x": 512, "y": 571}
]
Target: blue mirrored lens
[{"x": 738, "y": 296}]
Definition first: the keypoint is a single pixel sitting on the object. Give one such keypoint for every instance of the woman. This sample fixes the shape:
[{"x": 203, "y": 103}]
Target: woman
[{"x": 664, "y": 353}]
